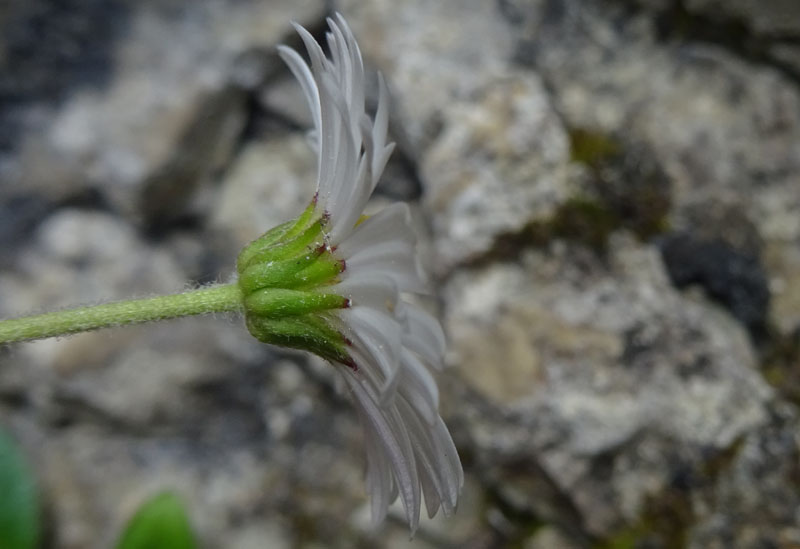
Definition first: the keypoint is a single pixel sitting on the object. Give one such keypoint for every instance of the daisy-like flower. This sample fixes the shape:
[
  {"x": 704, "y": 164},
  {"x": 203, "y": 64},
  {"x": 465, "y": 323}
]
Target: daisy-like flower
[{"x": 334, "y": 283}]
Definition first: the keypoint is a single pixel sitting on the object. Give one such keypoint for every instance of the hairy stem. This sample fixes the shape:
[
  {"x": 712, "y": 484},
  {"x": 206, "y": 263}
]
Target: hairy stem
[{"x": 212, "y": 299}]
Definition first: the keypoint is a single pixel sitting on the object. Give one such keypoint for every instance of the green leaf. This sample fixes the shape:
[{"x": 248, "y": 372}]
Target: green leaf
[
  {"x": 19, "y": 507},
  {"x": 160, "y": 523}
]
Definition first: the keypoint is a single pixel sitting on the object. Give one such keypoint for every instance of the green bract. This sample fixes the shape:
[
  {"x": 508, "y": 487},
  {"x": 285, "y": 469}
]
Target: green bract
[{"x": 284, "y": 277}]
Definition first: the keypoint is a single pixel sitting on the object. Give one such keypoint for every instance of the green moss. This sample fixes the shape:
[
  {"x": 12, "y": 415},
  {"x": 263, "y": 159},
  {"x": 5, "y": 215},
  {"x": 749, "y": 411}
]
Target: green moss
[
  {"x": 592, "y": 148},
  {"x": 627, "y": 178},
  {"x": 664, "y": 522},
  {"x": 584, "y": 220},
  {"x": 625, "y": 539}
]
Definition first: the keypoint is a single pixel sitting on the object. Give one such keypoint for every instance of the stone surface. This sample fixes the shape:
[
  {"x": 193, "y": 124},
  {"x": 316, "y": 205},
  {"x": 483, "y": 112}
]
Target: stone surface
[
  {"x": 754, "y": 490},
  {"x": 430, "y": 54},
  {"x": 165, "y": 117},
  {"x": 80, "y": 256},
  {"x": 499, "y": 163},
  {"x": 601, "y": 380},
  {"x": 268, "y": 183},
  {"x": 726, "y": 131}
]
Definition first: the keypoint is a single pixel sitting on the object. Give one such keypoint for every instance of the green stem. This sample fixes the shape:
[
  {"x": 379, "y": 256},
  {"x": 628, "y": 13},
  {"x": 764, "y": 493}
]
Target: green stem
[{"x": 212, "y": 299}]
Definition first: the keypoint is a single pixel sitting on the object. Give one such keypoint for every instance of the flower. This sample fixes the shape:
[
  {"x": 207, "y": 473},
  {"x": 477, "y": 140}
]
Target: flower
[{"x": 336, "y": 284}]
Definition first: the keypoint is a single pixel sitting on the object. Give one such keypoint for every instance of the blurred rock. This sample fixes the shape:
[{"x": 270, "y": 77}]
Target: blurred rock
[
  {"x": 18, "y": 219},
  {"x": 726, "y": 131},
  {"x": 433, "y": 53},
  {"x": 167, "y": 116},
  {"x": 735, "y": 279},
  {"x": 499, "y": 163},
  {"x": 595, "y": 385},
  {"x": 756, "y": 502},
  {"x": 50, "y": 50},
  {"x": 268, "y": 183},
  {"x": 80, "y": 256}
]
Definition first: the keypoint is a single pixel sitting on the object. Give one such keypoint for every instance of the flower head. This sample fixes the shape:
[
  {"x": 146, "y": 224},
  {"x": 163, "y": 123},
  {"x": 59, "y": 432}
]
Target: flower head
[{"x": 334, "y": 283}]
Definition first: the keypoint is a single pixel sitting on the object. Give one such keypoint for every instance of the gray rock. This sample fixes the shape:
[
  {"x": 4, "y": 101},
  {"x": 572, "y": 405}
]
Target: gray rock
[
  {"x": 725, "y": 130},
  {"x": 756, "y": 501},
  {"x": 499, "y": 163},
  {"x": 268, "y": 183},
  {"x": 165, "y": 119},
  {"x": 432, "y": 53},
  {"x": 80, "y": 257},
  {"x": 596, "y": 384}
]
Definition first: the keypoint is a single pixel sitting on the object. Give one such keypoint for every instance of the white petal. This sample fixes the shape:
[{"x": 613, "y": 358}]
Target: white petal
[
  {"x": 368, "y": 289},
  {"x": 384, "y": 244},
  {"x": 348, "y": 209},
  {"x": 399, "y": 425},
  {"x": 379, "y": 473},
  {"x": 424, "y": 334},
  {"x": 391, "y": 223},
  {"x": 379, "y": 132},
  {"x": 433, "y": 478},
  {"x": 360, "y": 191},
  {"x": 418, "y": 386},
  {"x": 340, "y": 158},
  {"x": 402, "y": 464},
  {"x": 404, "y": 274},
  {"x": 303, "y": 74},
  {"x": 377, "y": 335},
  {"x": 391, "y": 251},
  {"x": 446, "y": 450}
]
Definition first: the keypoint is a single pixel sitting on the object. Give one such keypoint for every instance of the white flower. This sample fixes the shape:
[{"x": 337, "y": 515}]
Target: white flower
[{"x": 391, "y": 345}]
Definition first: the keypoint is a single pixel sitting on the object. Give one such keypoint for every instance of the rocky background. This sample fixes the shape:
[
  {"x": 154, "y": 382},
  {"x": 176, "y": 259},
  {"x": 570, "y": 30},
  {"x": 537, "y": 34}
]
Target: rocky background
[{"x": 608, "y": 193}]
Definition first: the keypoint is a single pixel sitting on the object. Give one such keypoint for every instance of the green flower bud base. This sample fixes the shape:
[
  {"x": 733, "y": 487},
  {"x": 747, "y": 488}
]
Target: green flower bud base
[{"x": 283, "y": 276}]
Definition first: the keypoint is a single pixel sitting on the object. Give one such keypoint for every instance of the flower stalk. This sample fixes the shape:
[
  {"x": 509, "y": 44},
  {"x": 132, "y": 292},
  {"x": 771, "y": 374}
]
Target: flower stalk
[{"x": 212, "y": 299}]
